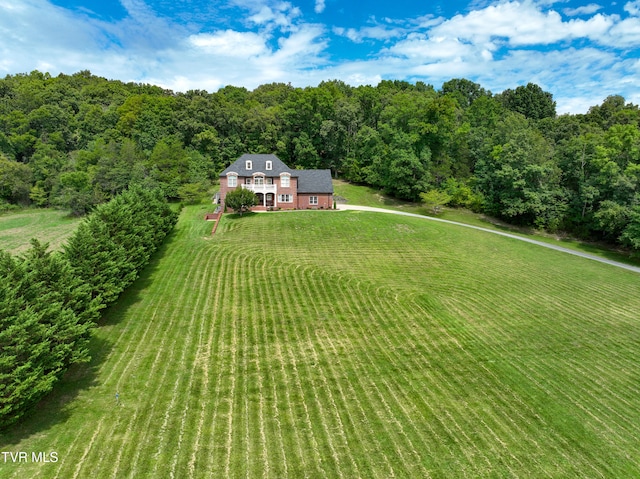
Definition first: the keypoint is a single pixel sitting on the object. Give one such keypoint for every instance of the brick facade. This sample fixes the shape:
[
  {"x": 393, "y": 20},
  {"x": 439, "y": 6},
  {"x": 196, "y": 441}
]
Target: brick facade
[{"x": 265, "y": 175}]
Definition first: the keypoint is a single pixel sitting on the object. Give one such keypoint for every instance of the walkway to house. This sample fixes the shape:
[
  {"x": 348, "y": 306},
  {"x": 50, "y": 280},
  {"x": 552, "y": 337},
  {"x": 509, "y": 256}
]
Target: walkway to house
[
  {"x": 635, "y": 269},
  {"x": 215, "y": 217}
]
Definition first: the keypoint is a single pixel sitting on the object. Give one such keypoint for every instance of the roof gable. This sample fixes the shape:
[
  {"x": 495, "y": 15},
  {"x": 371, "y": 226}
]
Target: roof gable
[{"x": 258, "y": 164}]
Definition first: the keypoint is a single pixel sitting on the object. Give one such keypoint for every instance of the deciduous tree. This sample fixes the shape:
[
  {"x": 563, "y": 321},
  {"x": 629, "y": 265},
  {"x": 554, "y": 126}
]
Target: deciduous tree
[{"x": 240, "y": 200}]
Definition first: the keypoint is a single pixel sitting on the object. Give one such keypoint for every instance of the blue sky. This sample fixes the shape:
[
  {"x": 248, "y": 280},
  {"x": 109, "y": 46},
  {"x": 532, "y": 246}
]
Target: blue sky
[{"x": 580, "y": 52}]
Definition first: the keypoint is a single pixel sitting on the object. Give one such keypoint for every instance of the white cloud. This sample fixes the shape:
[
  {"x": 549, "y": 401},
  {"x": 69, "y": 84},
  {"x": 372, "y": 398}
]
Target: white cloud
[
  {"x": 230, "y": 43},
  {"x": 282, "y": 15},
  {"x": 521, "y": 24},
  {"x": 625, "y": 33},
  {"x": 425, "y": 48},
  {"x": 320, "y": 6},
  {"x": 583, "y": 10},
  {"x": 359, "y": 35},
  {"x": 633, "y": 8}
]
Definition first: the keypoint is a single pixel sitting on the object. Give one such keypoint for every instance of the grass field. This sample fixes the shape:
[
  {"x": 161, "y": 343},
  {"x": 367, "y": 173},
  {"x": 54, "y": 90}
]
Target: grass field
[
  {"x": 47, "y": 225},
  {"x": 367, "y": 196},
  {"x": 351, "y": 344}
]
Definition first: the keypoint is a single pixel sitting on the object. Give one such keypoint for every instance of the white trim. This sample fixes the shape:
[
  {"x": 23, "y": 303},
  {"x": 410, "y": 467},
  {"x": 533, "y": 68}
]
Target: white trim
[
  {"x": 288, "y": 177},
  {"x": 235, "y": 180}
]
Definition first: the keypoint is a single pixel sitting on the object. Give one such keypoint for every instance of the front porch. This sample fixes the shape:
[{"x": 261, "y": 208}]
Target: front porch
[
  {"x": 265, "y": 201},
  {"x": 266, "y": 194}
]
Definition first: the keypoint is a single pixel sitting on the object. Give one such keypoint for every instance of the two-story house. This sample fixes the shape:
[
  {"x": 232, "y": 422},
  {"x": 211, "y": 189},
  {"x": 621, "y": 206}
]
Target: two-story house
[{"x": 276, "y": 185}]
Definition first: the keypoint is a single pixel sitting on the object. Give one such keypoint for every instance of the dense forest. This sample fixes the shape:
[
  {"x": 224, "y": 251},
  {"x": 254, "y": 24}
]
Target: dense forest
[{"x": 75, "y": 141}]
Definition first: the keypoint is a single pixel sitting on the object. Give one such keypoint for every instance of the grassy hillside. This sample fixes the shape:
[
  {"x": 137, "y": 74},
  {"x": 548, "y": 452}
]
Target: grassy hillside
[
  {"x": 47, "y": 225},
  {"x": 367, "y": 196},
  {"x": 352, "y": 344}
]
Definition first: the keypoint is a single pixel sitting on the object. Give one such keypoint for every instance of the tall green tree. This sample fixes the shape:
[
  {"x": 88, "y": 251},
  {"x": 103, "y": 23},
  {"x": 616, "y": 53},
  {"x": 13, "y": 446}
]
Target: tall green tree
[
  {"x": 519, "y": 180},
  {"x": 530, "y": 101},
  {"x": 15, "y": 181}
]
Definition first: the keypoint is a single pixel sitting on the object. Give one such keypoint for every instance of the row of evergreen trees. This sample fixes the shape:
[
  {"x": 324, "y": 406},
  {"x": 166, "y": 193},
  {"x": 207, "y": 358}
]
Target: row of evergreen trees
[{"x": 50, "y": 301}]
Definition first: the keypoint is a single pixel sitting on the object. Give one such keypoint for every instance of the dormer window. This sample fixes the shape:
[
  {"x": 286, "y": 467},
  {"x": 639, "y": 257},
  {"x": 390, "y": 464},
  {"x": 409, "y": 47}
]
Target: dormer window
[
  {"x": 248, "y": 165},
  {"x": 269, "y": 165}
]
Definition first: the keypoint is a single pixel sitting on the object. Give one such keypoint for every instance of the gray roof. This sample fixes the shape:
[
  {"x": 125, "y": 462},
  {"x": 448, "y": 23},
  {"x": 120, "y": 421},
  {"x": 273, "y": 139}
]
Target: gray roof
[
  {"x": 314, "y": 181},
  {"x": 309, "y": 181},
  {"x": 258, "y": 164}
]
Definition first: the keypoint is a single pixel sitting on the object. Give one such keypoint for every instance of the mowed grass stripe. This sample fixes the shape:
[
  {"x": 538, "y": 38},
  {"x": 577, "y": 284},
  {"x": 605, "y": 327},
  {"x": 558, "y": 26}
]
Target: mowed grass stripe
[
  {"x": 199, "y": 321},
  {"x": 213, "y": 440},
  {"x": 269, "y": 451},
  {"x": 327, "y": 344},
  {"x": 298, "y": 457},
  {"x": 302, "y": 405},
  {"x": 385, "y": 461},
  {"x": 159, "y": 361},
  {"x": 157, "y": 403},
  {"x": 205, "y": 366},
  {"x": 517, "y": 444},
  {"x": 394, "y": 345},
  {"x": 334, "y": 428},
  {"x": 276, "y": 452},
  {"x": 551, "y": 370},
  {"x": 330, "y": 341}
]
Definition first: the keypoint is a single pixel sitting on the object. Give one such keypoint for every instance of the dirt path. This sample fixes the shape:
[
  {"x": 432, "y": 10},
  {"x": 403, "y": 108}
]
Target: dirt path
[{"x": 617, "y": 264}]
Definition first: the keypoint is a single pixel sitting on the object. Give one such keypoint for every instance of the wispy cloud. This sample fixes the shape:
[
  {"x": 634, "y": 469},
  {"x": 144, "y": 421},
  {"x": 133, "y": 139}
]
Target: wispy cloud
[
  {"x": 377, "y": 32},
  {"x": 583, "y": 10}
]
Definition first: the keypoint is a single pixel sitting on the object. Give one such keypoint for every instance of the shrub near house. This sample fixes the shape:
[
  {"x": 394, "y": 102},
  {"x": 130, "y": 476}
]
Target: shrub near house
[{"x": 276, "y": 185}]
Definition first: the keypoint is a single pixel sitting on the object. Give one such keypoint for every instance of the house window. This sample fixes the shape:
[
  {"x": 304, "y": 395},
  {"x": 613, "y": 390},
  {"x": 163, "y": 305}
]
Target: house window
[
  {"x": 285, "y": 198},
  {"x": 285, "y": 181},
  {"x": 259, "y": 180},
  {"x": 269, "y": 165},
  {"x": 268, "y": 181},
  {"x": 248, "y": 165},
  {"x": 313, "y": 200},
  {"x": 232, "y": 181},
  {"x": 247, "y": 181}
]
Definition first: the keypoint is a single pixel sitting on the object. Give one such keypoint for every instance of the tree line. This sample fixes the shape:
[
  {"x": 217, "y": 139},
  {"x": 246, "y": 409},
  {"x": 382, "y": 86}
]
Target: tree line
[
  {"x": 75, "y": 141},
  {"x": 50, "y": 301}
]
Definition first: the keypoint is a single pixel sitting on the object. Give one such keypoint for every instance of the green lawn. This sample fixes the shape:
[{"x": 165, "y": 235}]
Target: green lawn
[
  {"x": 47, "y": 225},
  {"x": 367, "y": 196},
  {"x": 351, "y": 344}
]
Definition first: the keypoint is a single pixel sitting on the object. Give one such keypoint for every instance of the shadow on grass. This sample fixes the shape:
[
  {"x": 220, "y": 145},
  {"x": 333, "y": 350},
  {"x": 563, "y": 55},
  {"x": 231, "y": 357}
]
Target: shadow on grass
[
  {"x": 238, "y": 216},
  {"x": 57, "y": 406}
]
